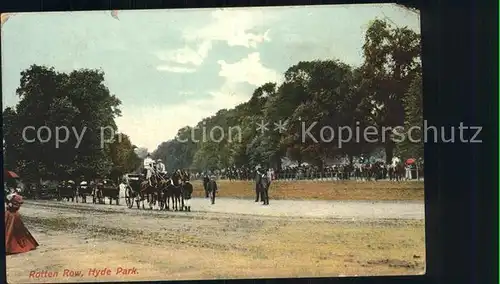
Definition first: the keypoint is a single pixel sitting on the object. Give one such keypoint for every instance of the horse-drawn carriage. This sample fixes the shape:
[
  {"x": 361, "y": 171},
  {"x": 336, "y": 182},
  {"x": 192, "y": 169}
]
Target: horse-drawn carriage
[
  {"x": 106, "y": 188},
  {"x": 84, "y": 189},
  {"x": 66, "y": 189},
  {"x": 159, "y": 193}
]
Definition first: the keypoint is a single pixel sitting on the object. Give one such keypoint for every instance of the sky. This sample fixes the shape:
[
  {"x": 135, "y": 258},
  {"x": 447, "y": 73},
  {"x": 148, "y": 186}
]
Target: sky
[{"x": 172, "y": 68}]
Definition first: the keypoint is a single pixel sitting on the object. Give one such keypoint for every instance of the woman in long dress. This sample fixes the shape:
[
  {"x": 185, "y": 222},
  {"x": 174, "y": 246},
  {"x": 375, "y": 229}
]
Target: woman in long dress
[{"x": 17, "y": 237}]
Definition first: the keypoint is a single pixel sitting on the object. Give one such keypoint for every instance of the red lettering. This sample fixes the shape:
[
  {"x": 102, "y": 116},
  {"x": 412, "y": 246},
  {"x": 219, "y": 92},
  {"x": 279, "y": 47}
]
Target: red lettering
[
  {"x": 71, "y": 273},
  {"x": 42, "y": 274},
  {"x": 126, "y": 271}
]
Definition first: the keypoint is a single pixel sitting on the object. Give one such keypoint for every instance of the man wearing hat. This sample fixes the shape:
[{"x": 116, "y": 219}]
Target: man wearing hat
[
  {"x": 212, "y": 188},
  {"x": 206, "y": 179},
  {"x": 160, "y": 166}
]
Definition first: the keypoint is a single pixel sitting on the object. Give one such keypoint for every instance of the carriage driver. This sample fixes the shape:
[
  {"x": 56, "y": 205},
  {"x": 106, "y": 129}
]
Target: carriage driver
[
  {"x": 148, "y": 167},
  {"x": 160, "y": 166}
]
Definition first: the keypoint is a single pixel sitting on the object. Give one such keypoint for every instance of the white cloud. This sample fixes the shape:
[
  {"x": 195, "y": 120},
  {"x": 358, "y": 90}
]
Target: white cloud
[
  {"x": 175, "y": 69},
  {"x": 187, "y": 55},
  {"x": 152, "y": 125},
  {"x": 248, "y": 70},
  {"x": 236, "y": 27}
]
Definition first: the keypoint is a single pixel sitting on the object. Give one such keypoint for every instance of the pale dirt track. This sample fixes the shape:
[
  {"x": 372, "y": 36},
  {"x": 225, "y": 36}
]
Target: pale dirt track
[
  {"x": 285, "y": 208},
  {"x": 235, "y": 238}
]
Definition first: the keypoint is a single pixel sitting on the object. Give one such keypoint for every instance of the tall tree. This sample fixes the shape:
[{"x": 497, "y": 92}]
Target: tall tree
[
  {"x": 325, "y": 93},
  {"x": 79, "y": 102},
  {"x": 141, "y": 152},
  {"x": 122, "y": 154},
  {"x": 392, "y": 60},
  {"x": 412, "y": 146}
]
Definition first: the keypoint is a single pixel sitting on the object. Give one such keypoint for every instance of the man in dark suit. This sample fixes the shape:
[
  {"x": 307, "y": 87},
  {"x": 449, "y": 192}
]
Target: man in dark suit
[
  {"x": 212, "y": 188},
  {"x": 206, "y": 179},
  {"x": 265, "y": 182},
  {"x": 258, "y": 191},
  {"x": 262, "y": 183}
]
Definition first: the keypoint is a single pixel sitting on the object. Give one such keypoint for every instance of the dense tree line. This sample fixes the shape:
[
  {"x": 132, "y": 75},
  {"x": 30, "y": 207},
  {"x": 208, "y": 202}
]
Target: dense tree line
[
  {"x": 385, "y": 91},
  {"x": 78, "y": 101}
]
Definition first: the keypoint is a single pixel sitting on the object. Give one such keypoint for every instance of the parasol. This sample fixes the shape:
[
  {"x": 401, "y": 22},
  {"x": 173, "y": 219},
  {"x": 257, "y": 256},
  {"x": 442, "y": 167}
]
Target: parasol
[
  {"x": 10, "y": 174},
  {"x": 410, "y": 161}
]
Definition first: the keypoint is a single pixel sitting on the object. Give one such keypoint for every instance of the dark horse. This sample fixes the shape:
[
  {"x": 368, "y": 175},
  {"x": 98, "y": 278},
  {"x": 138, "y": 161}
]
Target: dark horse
[
  {"x": 83, "y": 190},
  {"x": 172, "y": 193},
  {"x": 262, "y": 185},
  {"x": 176, "y": 191},
  {"x": 150, "y": 192},
  {"x": 170, "y": 189},
  {"x": 164, "y": 193},
  {"x": 396, "y": 172}
]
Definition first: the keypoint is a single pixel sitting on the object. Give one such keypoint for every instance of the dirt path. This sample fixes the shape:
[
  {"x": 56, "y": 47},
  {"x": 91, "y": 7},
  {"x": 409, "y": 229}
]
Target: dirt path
[
  {"x": 209, "y": 244},
  {"x": 290, "y": 208}
]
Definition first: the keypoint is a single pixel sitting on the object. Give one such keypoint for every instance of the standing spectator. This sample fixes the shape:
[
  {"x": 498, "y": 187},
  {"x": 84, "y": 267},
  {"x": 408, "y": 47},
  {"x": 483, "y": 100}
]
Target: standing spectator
[
  {"x": 17, "y": 237},
  {"x": 212, "y": 188},
  {"x": 408, "y": 172}
]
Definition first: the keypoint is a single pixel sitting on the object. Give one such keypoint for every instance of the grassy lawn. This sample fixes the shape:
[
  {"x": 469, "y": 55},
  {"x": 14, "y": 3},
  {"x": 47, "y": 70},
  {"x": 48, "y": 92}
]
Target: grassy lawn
[{"x": 322, "y": 190}]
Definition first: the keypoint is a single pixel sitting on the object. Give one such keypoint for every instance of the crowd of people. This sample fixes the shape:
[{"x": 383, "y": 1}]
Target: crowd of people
[
  {"x": 358, "y": 171},
  {"x": 18, "y": 238}
]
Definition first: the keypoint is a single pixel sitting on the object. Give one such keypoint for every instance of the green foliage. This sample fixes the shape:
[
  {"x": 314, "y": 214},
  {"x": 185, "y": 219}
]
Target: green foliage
[
  {"x": 327, "y": 92},
  {"x": 79, "y": 101},
  {"x": 392, "y": 60},
  {"x": 386, "y": 90},
  {"x": 123, "y": 157},
  {"x": 414, "y": 118}
]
